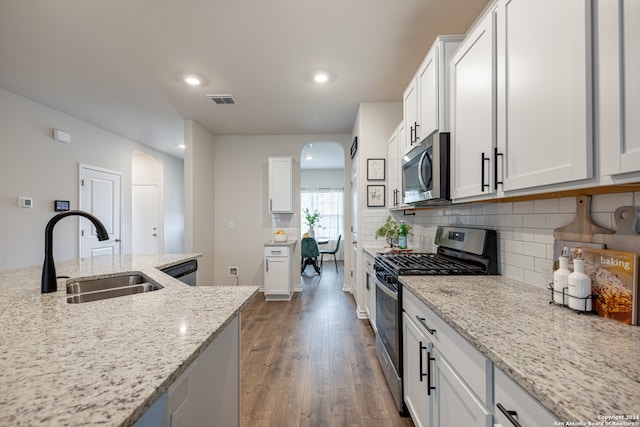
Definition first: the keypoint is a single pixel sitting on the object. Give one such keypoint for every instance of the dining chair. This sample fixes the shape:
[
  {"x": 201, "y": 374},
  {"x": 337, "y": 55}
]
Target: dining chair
[
  {"x": 310, "y": 253},
  {"x": 331, "y": 252}
]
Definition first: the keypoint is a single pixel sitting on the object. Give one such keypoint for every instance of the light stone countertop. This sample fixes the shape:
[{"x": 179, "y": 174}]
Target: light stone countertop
[
  {"x": 102, "y": 362},
  {"x": 579, "y": 366},
  {"x": 287, "y": 243}
]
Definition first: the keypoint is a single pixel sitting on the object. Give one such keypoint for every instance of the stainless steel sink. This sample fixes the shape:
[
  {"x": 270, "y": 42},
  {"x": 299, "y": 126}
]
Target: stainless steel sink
[{"x": 109, "y": 287}]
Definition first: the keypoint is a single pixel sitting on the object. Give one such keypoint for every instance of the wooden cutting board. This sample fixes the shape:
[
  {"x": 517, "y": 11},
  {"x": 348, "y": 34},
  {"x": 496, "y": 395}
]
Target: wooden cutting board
[
  {"x": 626, "y": 238},
  {"x": 582, "y": 229}
]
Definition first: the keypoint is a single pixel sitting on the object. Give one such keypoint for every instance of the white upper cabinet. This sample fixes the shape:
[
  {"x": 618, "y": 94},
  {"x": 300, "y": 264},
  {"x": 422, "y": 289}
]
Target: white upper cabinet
[
  {"x": 395, "y": 167},
  {"x": 410, "y": 114},
  {"x": 473, "y": 136},
  {"x": 544, "y": 92},
  {"x": 616, "y": 73},
  {"x": 426, "y": 98},
  {"x": 280, "y": 184}
]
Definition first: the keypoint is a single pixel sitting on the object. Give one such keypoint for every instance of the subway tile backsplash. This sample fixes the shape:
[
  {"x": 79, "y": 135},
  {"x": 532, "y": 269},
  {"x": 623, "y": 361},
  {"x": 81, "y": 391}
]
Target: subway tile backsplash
[{"x": 525, "y": 229}]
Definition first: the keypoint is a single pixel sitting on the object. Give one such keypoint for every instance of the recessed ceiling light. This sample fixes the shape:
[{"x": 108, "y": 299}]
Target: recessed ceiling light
[
  {"x": 321, "y": 77},
  {"x": 308, "y": 158},
  {"x": 182, "y": 146},
  {"x": 192, "y": 80}
]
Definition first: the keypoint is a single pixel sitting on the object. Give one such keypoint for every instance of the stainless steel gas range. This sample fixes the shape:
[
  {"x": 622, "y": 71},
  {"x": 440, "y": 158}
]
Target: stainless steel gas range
[{"x": 460, "y": 250}]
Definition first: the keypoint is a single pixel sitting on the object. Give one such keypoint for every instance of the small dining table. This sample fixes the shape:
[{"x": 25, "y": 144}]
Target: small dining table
[{"x": 322, "y": 240}]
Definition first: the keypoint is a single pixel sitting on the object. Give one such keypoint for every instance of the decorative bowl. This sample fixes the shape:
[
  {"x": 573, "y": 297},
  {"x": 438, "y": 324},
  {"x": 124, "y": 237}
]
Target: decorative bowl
[{"x": 280, "y": 237}]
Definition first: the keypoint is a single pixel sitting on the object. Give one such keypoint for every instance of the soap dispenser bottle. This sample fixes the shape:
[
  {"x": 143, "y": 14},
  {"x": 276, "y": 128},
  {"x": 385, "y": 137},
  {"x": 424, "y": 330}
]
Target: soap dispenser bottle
[
  {"x": 561, "y": 279},
  {"x": 579, "y": 286}
]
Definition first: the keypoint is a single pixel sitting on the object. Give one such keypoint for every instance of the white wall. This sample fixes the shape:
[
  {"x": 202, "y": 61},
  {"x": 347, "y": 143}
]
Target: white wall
[
  {"x": 240, "y": 188},
  {"x": 200, "y": 199},
  {"x": 33, "y": 164}
]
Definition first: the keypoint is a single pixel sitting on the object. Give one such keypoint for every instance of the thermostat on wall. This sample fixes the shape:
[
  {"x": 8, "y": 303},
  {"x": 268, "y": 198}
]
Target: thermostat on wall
[
  {"x": 25, "y": 202},
  {"x": 62, "y": 205}
]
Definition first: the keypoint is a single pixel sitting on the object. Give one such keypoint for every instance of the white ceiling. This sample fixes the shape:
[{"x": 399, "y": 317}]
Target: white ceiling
[{"x": 118, "y": 64}]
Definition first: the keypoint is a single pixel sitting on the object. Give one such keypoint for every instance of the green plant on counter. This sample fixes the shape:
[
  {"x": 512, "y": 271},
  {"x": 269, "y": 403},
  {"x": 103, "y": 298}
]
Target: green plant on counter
[{"x": 390, "y": 230}]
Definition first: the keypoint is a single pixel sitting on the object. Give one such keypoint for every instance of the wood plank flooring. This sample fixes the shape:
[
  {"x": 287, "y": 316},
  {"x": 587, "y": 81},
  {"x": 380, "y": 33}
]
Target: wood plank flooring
[{"x": 311, "y": 362}]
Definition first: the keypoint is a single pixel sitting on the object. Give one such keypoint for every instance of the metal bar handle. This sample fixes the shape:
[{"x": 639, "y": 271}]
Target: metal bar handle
[
  {"x": 415, "y": 132},
  {"x": 420, "y": 356},
  {"x": 423, "y": 323},
  {"x": 509, "y": 414},
  {"x": 429, "y": 386},
  {"x": 495, "y": 168},
  {"x": 267, "y": 264},
  {"x": 483, "y": 185}
]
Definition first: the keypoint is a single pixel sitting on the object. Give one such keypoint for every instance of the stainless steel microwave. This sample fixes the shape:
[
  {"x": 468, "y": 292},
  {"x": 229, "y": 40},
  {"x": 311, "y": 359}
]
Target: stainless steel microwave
[{"x": 425, "y": 172}]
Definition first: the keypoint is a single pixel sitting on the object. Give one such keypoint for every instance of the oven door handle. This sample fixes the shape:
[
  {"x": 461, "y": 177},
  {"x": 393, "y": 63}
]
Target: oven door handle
[{"x": 386, "y": 290}]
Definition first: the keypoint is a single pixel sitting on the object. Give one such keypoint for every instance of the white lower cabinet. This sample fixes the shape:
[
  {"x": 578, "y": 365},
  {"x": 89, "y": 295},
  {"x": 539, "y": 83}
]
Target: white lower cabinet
[
  {"x": 208, "y": 392},
  {"x": 277, "y": 273},
  {"x": 418, "y": 397},
  {"x": 457, "y": 403},
  {"x": 370, "y": 289},
  {"x": 511, "y": 399},
  {"x": 449, "y": 383}
]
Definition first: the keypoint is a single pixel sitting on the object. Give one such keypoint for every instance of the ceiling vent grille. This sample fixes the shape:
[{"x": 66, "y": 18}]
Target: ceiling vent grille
[{"x": 222, "y": 99}]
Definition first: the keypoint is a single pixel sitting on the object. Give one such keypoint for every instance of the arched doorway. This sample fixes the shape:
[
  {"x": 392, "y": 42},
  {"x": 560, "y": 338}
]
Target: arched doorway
[
  {"x": 147, "y": 215},
  {"x": 322, "y": 190}
]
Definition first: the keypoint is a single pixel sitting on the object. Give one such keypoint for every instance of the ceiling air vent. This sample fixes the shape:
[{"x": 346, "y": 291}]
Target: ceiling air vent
[{"x": 222, "y": 99}]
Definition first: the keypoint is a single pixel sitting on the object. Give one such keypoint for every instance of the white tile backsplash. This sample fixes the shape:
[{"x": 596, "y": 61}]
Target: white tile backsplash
[{"x": 525, "y": 229}]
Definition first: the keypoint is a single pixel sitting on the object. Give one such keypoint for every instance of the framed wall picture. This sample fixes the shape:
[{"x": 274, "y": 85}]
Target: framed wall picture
[
  {"x": 375, "y": 196},
  {"x": 375, "y": 169}
]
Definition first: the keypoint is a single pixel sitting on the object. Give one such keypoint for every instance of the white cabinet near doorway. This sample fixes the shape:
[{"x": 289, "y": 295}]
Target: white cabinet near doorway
[
  {"x": 280, "y": 184},
  {"x": 278, "y": 271}
]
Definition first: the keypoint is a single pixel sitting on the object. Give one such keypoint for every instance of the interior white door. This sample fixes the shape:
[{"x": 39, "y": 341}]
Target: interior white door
[
  {"x": 100, "y": 195},
  {"x": 144, "y": 221}
]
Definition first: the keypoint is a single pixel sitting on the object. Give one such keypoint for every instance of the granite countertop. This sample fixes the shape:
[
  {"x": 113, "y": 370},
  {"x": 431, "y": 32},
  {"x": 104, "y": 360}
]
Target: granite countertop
[
  {"x": 579, "y": 366},
  {"x": 287, "y": 243},
  {"x": 102, "y": 362}
]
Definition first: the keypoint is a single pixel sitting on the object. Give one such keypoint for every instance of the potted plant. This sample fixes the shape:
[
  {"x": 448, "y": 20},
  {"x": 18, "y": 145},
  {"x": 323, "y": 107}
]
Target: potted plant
[
  {"x": 312, "y": 219},
  {"x": 390, "y": 230}
]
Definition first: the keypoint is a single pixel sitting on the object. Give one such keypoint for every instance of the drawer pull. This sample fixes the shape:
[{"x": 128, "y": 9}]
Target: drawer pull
[
  {"x": 423, "y": 323},
  {"x": 509, "y": 414}
]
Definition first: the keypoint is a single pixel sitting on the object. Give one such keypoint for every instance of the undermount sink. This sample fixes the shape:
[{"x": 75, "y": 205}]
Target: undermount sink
[{"x": 109, "y": 287}]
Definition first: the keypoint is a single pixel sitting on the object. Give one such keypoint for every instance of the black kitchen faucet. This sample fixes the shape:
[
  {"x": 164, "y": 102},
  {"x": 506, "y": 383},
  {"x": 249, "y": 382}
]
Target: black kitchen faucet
[{"x": 49, "y": 283}]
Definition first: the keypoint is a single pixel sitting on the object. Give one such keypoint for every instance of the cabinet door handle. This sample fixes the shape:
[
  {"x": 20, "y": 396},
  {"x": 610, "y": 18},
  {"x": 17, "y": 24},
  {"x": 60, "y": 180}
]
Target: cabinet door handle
[
  {"x": 429, "y": 386},
  {"x": 270, "y": 205},
  {"x": 483, "y": 185},
  {"x": 495, "y": 168},
  {"x": 415, "y": 132},
  {"x": 423, "y": 323},
  {"x": 267, "y": 264},
  {"x": 420, "y": 357},
  {"x": 509, "y": 414}
]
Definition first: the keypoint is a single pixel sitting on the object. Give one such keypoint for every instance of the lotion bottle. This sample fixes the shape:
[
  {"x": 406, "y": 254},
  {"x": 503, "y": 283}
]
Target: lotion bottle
[
  {"x": 561, "y": 279},
  {"x": 579, "y": 286}
]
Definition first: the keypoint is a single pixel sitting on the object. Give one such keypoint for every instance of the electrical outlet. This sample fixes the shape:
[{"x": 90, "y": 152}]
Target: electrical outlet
[
  {"x": 547, "y": 268},
  {"x": 233, "y": 271},
  {"x": 177, "y": 417}
]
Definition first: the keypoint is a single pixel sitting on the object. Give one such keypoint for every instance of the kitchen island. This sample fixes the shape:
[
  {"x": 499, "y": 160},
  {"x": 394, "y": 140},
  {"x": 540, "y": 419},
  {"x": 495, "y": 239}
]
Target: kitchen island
[
  {"x": 103, "y": 362},
  {"x": 580, "y": 367}
]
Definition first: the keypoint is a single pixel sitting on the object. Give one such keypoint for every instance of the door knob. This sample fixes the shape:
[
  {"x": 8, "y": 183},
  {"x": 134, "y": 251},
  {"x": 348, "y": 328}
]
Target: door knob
[{"x": 154, "y": 234}]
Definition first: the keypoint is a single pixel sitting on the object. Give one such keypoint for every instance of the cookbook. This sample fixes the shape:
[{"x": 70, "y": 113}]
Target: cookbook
[{"x": 614, "y": 283}]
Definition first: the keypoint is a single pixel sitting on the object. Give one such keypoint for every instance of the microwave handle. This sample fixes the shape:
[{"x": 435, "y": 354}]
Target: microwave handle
[{"x": 420, "y": 177}]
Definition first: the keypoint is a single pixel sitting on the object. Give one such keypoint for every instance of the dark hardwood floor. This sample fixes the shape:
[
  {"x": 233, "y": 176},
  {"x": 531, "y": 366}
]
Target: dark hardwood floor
[{"x": 312, "y": 362}]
